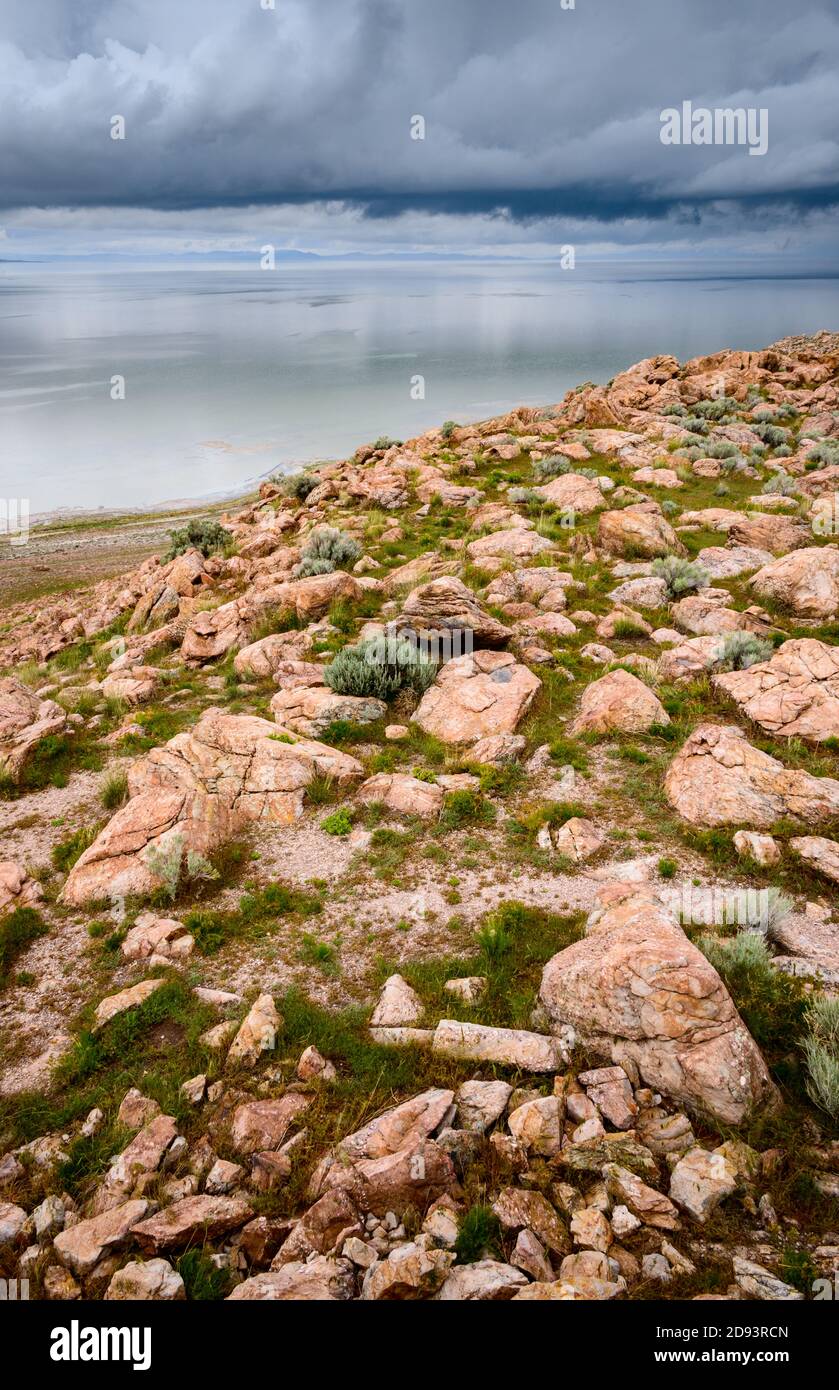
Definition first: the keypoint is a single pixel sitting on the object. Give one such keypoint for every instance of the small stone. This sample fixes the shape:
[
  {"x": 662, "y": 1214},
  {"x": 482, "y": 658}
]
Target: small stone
[
  {"x": 469, "y": 988},
  {"x": 223, "y": 1176},
  {"x": 398, "y": 1005},
  {"x": 194, "y": 1090},
  {"x": 757, "y": 1282},
  {"x": 623, "y": 1222},
  {"x": 763, "y": 849},
  {"x": 136, "y": 1109},
  {"x": 481, "y": 1103},
  {"x": 538, "y": 1125},
  {"x": 591, "y": 1230},
  {"x": 49, "y": 1218},
  {"x": 59, "y": 1285},
  {"x": 700, "y": 1181},
  {"x": 93, "y": 1123},
  {"x": 312, "y": 1066},
  {"x": 257, "y": 1034},
  {"x": 126, "y": 999},
  {"x": 529, "y": 1255},
  {"x": 146, "y": 1280},
  {"x": 12, "y": 1221},
  {"x": 656, "y": 1267}
]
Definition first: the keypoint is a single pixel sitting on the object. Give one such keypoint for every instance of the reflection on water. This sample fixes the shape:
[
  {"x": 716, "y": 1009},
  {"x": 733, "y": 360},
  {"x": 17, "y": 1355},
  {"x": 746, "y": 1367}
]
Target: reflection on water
[{"x": 230, "y": 373}]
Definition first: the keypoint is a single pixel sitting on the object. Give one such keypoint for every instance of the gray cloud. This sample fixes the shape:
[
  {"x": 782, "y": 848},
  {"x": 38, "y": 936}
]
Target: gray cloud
[{"x": 545, "y": 113}]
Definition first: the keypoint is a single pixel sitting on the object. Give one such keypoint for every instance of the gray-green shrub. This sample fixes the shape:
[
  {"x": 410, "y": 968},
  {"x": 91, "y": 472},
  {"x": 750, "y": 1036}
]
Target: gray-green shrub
[
  {"x": 380, "y": 668},
  {"x": 326, "y": 550},
  {"x": 681, "y": 576},
  {"x": 740, "y": 650}
]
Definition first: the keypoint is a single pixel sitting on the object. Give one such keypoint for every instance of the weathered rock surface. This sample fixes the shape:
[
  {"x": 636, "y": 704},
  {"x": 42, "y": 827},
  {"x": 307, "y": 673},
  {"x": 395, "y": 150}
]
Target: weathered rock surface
[
  {"x": 718, "y": 778},
  {"x": 638, "y": 530},
  {"x": 445, "y": 605},
  {"x": 475, "y": 1042},
  {"x": 572, "y": 492},
  {"x": 82, "y": 1246},
  {"x": 310, "y": 709},
  {"x": 322, "y": 1280},
  {"x": 193, "y": 1218},
  {"x": 477, "y": 696},
  {"x": 398, "y": 791},
  {"x": 805, "y": 583},
  {"x": 25, "y": 720},
  {"x": 195, "y": 792},
  {"x": 819, "y": 853},
  {"x": 144, "y": 1280},
  {"x": 618, "y": 701},
  {"x": 795, "y": 694},
  {"x": 635, "y": 988}
]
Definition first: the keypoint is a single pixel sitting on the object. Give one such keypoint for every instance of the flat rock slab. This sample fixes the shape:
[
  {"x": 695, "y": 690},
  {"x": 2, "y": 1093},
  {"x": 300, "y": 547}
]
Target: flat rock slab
[
  {"x": 475, "y": 1042},
  {"x": 191, "y": 1219},
  {"x": 795, "y": 694},
  {"x": 718, "y": 778}
]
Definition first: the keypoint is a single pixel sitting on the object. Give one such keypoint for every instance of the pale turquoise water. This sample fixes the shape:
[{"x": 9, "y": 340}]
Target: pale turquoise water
[{"x": 230, "y": 373}]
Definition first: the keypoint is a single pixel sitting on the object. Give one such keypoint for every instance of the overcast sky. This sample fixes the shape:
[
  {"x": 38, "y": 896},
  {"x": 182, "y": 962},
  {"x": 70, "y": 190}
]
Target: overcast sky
[{"x": 246, "y": 125}]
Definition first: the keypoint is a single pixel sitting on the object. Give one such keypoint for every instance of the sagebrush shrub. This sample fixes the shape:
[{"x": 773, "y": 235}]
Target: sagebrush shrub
[
  {"x": 821, "y": 1052},
  {"x": 297, "y": 485},
  {"x": 771, "y": 434},
  {"x": 826, "y": 452},
  {"x": 717, "y": 408},
  {"x": 722, "y": 449},
  {"x": 681, "y": 576},
  {"x": 780, "y": 485},
  {"x": 380, "y": 669},
  {"x": 327, "y": 549},
  {"x": 770, "y": 1003},
  {"x": 740, "y": 650},
  {"x": 206, "y": 536},
  {"x": 552, "y": 466}
]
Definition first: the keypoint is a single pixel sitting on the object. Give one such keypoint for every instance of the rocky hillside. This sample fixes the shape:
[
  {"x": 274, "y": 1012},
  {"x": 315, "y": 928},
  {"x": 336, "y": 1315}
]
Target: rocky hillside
[{"x": 422, "y": 884}]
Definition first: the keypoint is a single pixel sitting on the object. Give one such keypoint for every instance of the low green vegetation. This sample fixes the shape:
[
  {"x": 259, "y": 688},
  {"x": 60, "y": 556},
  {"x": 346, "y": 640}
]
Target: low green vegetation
[
  {"x": 206, "y": 536},
  {"x": 18, "y": 929}
]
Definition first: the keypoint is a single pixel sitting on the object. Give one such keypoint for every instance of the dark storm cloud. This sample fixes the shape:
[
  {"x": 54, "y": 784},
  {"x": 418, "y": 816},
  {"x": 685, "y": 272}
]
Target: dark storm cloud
[{"x": 530, "y": 108}]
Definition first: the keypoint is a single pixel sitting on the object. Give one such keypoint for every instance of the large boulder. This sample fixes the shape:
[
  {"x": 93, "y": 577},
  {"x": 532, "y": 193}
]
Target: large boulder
[
  {"x": 321, "y": 1280},
  {"x": 475, "y": 696},
  {"x": 401, "y": 1127},
  {"x": 690, "y": 658},
  {"x": 635, "y": 989},
  {"x": 263, "y": 658},
  {"x": 818, "y": 853},
  {"x": 17, "y": 889},
  {"x": 706, "y": 615},
  {"x": 638, "y": 531},
  {"x": 414, "y": 1176},
  {"x": 718, "y": 778},
  {"x": 515, "y": 544},
  {"x": 445, "y": 606},
  {"x": 197, "y": 791},
  {"x": 25, "y": 720},
  {"x": 727, "y": 561},
  {"x": 310, "y": 709},
  {"x": 400, "y": 792},
  {"x": 192, "y": 1218},
  {"x": 804, "y": 583},
  {"x": 211, "y": 633},
  {"x": 572, "y": 492},
  {"x": 621, "y": 702},
  {"x": 777, "y": 534},
  {"x": 795, "y": 694},
  {"x": 82, "y": 1246}
]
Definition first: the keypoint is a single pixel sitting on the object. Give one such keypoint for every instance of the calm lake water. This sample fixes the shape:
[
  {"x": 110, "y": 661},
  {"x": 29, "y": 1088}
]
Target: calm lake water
[{"x": 230, "y": 373}]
